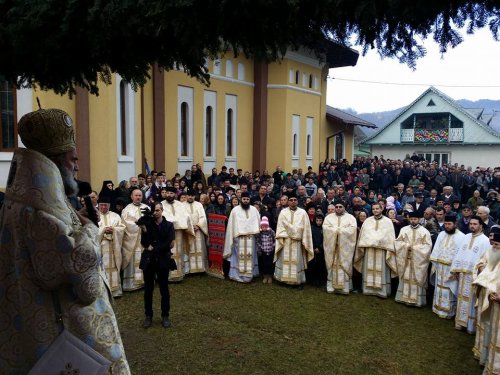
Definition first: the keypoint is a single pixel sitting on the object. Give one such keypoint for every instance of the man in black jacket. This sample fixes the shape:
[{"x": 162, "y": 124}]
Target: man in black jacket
[{"x": 158, "y": 237}]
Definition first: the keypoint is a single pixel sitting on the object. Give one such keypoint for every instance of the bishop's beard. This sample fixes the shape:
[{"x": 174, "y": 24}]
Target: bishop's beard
[
  {"x": 70, "y": 185},
  {"x": 170, "y": 199},
  {"x": 245, "y": 206},
  {"x": 451, "y": 231}
]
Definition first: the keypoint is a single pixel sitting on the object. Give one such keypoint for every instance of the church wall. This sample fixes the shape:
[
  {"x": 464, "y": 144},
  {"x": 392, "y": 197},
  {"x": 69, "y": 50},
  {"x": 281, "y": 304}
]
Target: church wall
[{"x": 287, "y": 98}]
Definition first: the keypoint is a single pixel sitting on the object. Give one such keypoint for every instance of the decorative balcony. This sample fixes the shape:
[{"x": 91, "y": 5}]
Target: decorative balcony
[{"x": 432, "y": 136}]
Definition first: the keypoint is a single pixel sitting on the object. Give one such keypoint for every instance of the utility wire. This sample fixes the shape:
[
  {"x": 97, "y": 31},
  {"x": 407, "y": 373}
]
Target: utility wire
[{"x": 411, "y": 84}]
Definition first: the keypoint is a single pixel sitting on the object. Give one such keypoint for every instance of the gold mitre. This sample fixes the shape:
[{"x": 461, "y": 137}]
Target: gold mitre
[{"x": 48, "y": 131}]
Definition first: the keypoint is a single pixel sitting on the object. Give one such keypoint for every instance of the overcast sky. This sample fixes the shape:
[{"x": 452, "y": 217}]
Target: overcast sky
[{"x": 475, "y": 62}]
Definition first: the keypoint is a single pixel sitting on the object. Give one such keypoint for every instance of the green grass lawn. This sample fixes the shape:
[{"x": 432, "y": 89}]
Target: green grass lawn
[{"x": 222, "y": 327}]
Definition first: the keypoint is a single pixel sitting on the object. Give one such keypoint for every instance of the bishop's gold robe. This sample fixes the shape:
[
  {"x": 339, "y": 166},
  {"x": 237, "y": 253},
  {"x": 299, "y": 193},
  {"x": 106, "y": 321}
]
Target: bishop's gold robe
[
  {"x": 133, "y": 278},
  {"x": 375, "y": 246},
  {"x": 339, "y": 243},
  {"x": 111, "y": 249},
  {"x": 468, "y": 255},
  {"x": 411, "y": 260},
  {"x": 294, "y": 246},
  {"x": 177, "y": 214},
  {"x": 197, "y": 249},
  {"x": 240, "y": 246},
  {"x": 487, "y": 282},
  {"x": 445, "y": 301}
]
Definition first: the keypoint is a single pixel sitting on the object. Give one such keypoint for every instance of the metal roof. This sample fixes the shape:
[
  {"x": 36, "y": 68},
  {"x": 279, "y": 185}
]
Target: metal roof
[{"x": 347, "y": 118}]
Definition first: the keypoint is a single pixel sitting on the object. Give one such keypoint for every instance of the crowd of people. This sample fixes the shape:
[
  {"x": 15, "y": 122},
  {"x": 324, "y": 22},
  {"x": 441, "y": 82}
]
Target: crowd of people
[
  {"x": 408, "y": 229},
  {"x": 405, "y": 229}
]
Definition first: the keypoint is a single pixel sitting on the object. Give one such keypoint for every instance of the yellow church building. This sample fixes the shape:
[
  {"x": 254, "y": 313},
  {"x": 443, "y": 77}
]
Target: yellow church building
[{"x": 252, "y": 116}]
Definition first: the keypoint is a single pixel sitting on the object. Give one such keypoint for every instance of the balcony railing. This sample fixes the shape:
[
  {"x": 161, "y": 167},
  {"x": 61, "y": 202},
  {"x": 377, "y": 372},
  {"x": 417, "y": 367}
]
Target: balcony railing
[
  {"x": 456, "y": 135},
  {"x": 432, "y": 136}
]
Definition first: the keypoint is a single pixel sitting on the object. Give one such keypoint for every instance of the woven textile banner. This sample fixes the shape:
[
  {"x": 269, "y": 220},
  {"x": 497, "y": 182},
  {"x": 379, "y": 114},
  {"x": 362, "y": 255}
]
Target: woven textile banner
[{"x": 216, "y": 237}]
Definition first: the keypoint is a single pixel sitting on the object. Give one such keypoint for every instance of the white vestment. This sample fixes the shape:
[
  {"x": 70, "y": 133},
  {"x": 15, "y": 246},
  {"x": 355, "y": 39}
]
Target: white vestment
[
  {"x": 339, "y": 243},
  {"x": 111, "y": 249},
  {"x": 411, "y": 260},
  {"x": 294, "y": 246},
  {"x": 468, "y": 255},
  {"x": 375, "y": 246},
  {"x": 240, "y": 245},
  {"x": 197, "y": 249},
  {"x": 177, "y": 214},
  {"x": 487, "y": 342},
  {"x": 446, "y": 247},
  {"x": 131, "y": 248}
]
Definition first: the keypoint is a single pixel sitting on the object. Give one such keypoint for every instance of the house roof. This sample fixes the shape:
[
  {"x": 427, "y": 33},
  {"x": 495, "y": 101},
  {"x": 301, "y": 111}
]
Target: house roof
[
  {"x": 347, "y": 118},
  {"x": 470, "y": 113}
]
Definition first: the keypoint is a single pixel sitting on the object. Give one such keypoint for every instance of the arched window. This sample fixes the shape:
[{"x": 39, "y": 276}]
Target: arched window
[
  {"x": 208, "y": 131},
  {"x": 311, "y": 79},
  {"x": 297, "y": 77},
  {"x": 123, "y": 117},
  {"x": 8, "y": 123},
  {"x": 229, "y": 133},
  {"x": 184, "y": 129}
]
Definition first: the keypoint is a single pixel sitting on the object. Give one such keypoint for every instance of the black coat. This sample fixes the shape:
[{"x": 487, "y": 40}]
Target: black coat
[{"x": 160, "y": 237}]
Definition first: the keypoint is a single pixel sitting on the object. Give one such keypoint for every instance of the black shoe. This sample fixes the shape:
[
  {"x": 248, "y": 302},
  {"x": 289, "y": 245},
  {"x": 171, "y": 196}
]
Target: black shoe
[
  {"x": 148, "y": 320},
  {"x": 165, "y": 322}
]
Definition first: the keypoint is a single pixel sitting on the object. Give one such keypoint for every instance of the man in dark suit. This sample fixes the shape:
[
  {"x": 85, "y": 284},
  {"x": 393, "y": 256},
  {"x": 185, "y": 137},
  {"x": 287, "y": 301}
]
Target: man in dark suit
[
  {"x": 418, "y": 205},
  {"x": 157, "y": 238}
]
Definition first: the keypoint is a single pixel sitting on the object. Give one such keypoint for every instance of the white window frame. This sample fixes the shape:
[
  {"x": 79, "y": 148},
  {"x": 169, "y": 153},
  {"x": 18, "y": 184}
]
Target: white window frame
[
  {"x": 185, "y": 95},
  {"x": 210, "y": 100},
  {"x": 231, "y": 102}
]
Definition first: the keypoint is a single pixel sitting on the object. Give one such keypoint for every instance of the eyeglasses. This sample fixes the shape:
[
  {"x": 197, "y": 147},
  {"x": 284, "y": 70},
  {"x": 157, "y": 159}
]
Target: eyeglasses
[
  {"x": 339, "y": 206},
  {"x": 292, "y": 199}
]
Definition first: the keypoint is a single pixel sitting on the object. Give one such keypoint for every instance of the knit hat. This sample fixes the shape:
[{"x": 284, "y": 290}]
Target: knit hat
[
  {"x": 48, "y": 131},
  {"x": 264, "y": 221}
]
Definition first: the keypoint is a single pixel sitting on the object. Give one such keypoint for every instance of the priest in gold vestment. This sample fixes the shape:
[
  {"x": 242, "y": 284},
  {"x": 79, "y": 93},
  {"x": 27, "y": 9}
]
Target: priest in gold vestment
[
  {"x": 197, "y": 249},
  {"x": 339, "y": 243},
  {"x": 411, "y": 260},
  {"x": 471, "y": 249},
  {"x": 294, "y": 245},
  {"x": 487, "y": 288},
  {"x": 131, "y": 247},
  {"x": 175, "y": 212},
  {"x": 111, "y": 231},
  {"x": 448, "y": 241},
  {"x": 375, "y": 246},
  {"x": 240, "y": 246}
]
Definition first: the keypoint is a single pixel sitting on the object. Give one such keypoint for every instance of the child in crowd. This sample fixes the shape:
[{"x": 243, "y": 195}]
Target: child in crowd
[{"x": 265, "y": 244}]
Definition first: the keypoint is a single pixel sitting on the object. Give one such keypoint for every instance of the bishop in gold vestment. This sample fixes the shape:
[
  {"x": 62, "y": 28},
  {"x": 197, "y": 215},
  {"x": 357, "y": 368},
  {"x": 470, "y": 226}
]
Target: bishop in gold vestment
[
  {"x": 294, "y": 245},
  {"x": 240, "y": 246},
  {"x": 411, "y": 261},
  {"x": 131, "y": 248},
  {"x": 175, "y": 212},
  {"x": 375, "y": 246},
  {"x": 339, "y": 243},
  {"x": 471, "y": 249},
  {"x": 487, "y": 288},
  {"x": 197, "y": 249},
  {"x": 111, "y": 231},
  {"x": 448, "y": 241}
]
